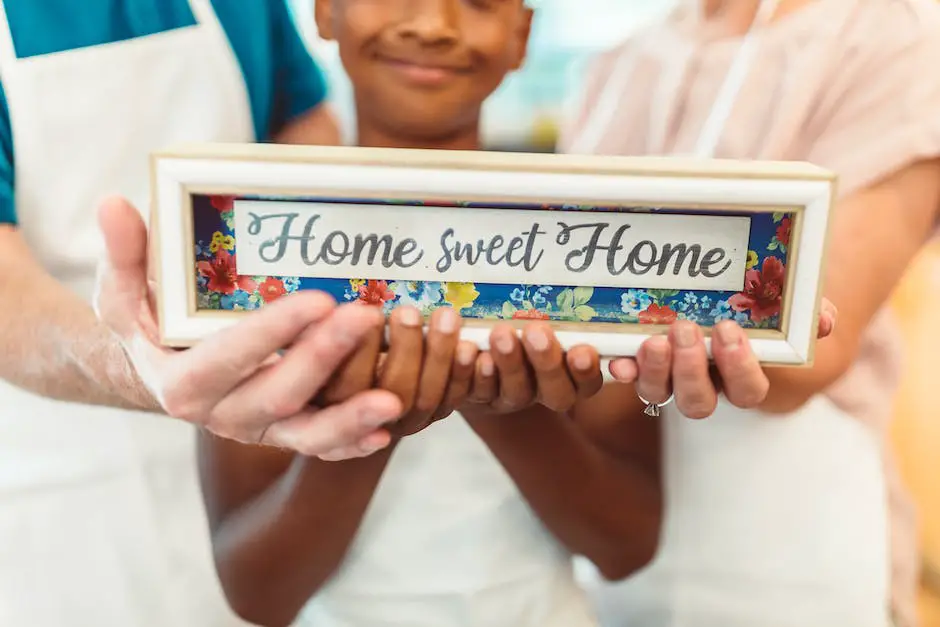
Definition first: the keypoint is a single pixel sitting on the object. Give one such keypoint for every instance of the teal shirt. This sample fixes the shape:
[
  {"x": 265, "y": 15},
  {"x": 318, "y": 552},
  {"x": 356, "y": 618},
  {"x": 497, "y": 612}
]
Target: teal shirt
[{"x": 282, "y": 78}]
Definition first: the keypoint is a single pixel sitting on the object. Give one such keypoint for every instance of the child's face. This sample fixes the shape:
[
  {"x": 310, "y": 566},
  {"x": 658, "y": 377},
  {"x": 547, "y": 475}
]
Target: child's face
[{"x": 421, "y": 69}]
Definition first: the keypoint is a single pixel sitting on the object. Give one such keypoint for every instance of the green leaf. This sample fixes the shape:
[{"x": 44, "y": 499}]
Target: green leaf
[
  {"x": 661, "y": 295},
  {"x": 508, "y": 309},
  {"x": 778, "y": 216},
  {"x": 565, "y": 300},
  {"x": 582, "y": 295},
  {"x": 585, "y": 313},
  {"x": 773, "y": 245},
  {"x": 526, "y": 305}
]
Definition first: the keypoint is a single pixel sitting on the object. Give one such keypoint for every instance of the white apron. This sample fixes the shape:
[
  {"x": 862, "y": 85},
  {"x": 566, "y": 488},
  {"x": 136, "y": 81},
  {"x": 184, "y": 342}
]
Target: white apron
[
  {"x": 770, "y": 521},
  {"x": 448, "y": 541},
  {"x": 101, "y": 520}
]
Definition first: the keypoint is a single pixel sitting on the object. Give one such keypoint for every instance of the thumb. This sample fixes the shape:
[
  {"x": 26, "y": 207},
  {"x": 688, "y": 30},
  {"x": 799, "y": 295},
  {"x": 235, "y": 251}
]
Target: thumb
[{"x": 125, "y": 238}]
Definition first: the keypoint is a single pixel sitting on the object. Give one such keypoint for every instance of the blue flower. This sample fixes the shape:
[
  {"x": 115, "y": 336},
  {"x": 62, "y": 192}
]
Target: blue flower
[
  {"x": 545, "y": 289},
  {"x": 517, "y": 295},
  {"x": 418, "y": 294},
  {"x": 538, "y": 299},
  {"x": 742, "y": 318},
  {"x": 721, "y": 311},
  {"x": 632, "y": 302},
  {"x": 291, "y": 283},
  {"x": 239, "y": 300}
]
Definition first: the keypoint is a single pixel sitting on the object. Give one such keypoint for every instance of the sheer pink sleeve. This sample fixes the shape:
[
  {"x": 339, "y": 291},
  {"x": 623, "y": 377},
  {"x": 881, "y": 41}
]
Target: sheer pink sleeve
[{"x": 885, "y": 99}]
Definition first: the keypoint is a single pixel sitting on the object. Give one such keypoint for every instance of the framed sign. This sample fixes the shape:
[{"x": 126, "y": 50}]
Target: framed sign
[{"x": 609, "y": 250}]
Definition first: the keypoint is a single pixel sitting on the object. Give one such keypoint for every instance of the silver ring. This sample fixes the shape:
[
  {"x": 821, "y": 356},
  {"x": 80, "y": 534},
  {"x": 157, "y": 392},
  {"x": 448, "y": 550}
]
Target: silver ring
[{"x": 654, "y": 410}]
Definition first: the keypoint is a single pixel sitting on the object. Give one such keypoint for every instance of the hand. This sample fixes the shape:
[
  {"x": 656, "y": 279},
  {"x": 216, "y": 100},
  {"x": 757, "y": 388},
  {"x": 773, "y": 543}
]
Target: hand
[
  {"x": 678, "y": 363},
  {"x": 427, "y": 374},
  {"x": 251, "y": 382},
  {"x": 516, "y": 373}
]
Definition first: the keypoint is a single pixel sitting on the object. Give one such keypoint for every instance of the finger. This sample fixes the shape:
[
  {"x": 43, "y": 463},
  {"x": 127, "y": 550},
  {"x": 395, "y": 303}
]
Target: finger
[
  {"x": 485, "y": 384},
  {"x": 654, "y": 365},
  {"x": 461, "y": 378},
  {"x": 441, "y": 344},
  {"x": 368, "y": 445},
  {"x": 555, "y": 389},
  {"x": 319, "y": 431},
  {"x": 196, "y": 380},
  {"x": 358, "y": 373},
  {"x": 623, "y": 370},
  {"x": 516, "y": 388},
  {"x": 827, "y": 318},
  {"x": 745, "y": 384},
  {"x": 695, "y": 395},
  {"x": 125, "y": 240},
  {"x": 285, "y": 388},
  {"x": 584, "y": 365},
  {"x": 401, "y": 372}
]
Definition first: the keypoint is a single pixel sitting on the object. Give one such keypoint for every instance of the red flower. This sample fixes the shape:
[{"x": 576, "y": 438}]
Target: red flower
[
  {"x": 223, "y": 203},
  {"x": 221, "y": 274},
  {"x": 375, "y": 293},
  {"x": 271, "y": 289},
  {"x": 530, "y": 314},
  {"x": 654, "y": 314},
  {"x": 762, "y": 290},
  {"x": 783, "y": 232}
]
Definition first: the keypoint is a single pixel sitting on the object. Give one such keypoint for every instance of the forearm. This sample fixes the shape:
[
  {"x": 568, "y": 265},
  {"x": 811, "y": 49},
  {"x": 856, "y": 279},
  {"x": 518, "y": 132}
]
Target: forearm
[
  {"x": 792, "y": 387},
  {"x": 604, "y": 506},
  {"x": 276, "y": 551},
  {"x": 51, "y": 343}
]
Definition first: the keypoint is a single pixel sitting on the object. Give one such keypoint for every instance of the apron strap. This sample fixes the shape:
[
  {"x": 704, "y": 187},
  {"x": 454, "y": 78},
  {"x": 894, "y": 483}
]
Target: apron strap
[
  {"x": 202, "y": 11},
  {"x": 7, "y": 49}
]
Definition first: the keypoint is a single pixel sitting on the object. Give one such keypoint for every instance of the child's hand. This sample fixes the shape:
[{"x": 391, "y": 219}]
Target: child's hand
[
  {"x": 426, "y": 372},
  {"x": 515, "y": 374}
]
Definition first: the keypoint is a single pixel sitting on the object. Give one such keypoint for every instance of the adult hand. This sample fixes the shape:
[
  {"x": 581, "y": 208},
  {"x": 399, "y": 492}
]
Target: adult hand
[
  {"x": 253, "y": 381},
  {"x": 515, "y": 373},
  {"x": 678, "y": 364}
]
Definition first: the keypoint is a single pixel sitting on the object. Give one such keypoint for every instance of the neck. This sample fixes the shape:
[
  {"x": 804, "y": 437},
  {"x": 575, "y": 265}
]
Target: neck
[{"x": 370, "y": 136}]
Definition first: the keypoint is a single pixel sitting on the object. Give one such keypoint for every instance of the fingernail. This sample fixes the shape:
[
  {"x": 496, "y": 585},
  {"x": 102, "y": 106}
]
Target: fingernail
[
  {"x": 581, "y": 362},
  {"x": 466, "y": 353},
  {"x": 487, "y": 368},
  {"x": 409, "y": 317},
  {"x": 537, "y": 339},
  {"x": 447, "y": 320},
  {"x": 728, "y": 335},
  {"x": 657, "y": 350},
  {"x": 686, "y": 335},
  {"x": 504, "y": 343}
]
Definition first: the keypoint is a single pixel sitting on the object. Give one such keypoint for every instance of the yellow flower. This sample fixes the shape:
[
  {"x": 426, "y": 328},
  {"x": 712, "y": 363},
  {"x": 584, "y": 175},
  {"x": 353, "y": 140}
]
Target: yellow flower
[
  {"x": 228, "y": 242},
  {"x": 751, "y": 259},
  {"x": 217, "y": 242},
  {"x": 461, "y": 295},
  {"x": 355, "y": 284}
]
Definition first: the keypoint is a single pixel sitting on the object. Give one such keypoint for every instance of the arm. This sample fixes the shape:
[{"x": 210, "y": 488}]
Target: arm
[
  {"x": 281, "y": 525},
  {"x": 876, "y": 233},
  {"x": 593, "y": 476},
  {"x": 51, "y": 342}
]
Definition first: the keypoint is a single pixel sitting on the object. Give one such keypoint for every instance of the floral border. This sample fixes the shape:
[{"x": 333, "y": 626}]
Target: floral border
[{"x": 758, "y": 305}]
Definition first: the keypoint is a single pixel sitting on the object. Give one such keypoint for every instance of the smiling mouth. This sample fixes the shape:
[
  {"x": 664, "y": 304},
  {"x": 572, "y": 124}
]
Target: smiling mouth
[{"x": 423, "y": 73}]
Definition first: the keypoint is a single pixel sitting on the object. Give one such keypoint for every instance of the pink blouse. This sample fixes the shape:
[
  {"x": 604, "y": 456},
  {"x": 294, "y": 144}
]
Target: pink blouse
[{"x": 850, "y": 85}]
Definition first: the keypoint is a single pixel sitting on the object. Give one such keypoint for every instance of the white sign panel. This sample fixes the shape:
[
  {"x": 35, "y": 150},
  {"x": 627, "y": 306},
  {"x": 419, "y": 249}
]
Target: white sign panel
[{"x": 509, "y": 246}]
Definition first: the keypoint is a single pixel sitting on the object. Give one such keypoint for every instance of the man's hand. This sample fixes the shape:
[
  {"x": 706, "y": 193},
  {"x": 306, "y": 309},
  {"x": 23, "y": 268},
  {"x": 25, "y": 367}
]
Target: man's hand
[{"x": 253, "y": 381}]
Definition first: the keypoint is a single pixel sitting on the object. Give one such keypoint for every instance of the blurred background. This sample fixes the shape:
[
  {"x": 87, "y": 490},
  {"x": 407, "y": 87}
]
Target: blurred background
[{"x": 523, "y": 116}]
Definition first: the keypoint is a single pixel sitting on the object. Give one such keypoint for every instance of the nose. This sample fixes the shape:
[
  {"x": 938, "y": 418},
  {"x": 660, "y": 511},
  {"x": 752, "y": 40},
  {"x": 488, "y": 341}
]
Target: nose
[{"x": 432, "y": 22}]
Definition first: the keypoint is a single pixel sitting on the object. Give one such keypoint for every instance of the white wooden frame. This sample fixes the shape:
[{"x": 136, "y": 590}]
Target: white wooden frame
[{"x": 802, "y": 189}]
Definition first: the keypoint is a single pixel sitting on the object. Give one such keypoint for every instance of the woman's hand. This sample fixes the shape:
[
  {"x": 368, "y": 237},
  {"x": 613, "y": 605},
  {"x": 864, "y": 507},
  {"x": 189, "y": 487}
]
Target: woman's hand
[
  {"x": 678, "y": 364},
  {"x": 516, "y": 373}
]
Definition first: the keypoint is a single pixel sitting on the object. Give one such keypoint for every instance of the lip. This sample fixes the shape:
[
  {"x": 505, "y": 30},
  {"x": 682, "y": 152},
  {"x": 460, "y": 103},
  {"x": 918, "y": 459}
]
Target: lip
[{"x": 421, "y": 73}]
